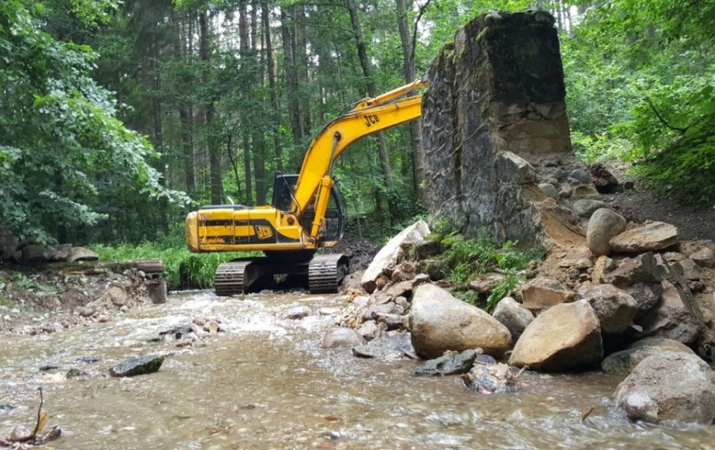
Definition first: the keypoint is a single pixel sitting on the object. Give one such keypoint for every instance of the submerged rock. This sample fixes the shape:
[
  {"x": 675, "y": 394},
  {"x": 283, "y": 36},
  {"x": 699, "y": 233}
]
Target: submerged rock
[
  {"x": 449, "y": 364},
  {"x": 491, "y": 378},
  {"x": 624, "y": 361},
  {"x": 140, "y": 365},
  {"x": 342, "y": 337},
  {"x": 391, "y": 346}
]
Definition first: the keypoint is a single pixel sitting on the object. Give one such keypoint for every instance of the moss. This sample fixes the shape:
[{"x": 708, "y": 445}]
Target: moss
[{"x": 482, "y": 34}]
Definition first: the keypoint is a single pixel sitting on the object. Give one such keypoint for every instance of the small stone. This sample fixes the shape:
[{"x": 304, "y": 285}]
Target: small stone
[
  {"x": 342, "y": 337},
  {"x": 549, "y": 190},
  {"x": 296, "y": 312},
  {"x": 141, "y": 365}
]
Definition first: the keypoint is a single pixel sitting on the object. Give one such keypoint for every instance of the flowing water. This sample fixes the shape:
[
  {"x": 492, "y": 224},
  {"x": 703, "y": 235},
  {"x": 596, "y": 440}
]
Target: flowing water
[{"x": 266, "y": 383}]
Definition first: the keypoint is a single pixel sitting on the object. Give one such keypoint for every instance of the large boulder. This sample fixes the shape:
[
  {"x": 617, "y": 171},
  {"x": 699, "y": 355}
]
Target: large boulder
[
  {"x": 603, "y": 225},
  {"x": 671, "y": 387},
  {"x": 439, "y": 322},
  {"x": 624, "y": 361},
  {"x": 614, "y": 308},
  {"x": 392, "y": 252},
  {"x": 564, "y": 337},
  {"x": 651, "y": 236},
  {"x": 513, "y": 316}
]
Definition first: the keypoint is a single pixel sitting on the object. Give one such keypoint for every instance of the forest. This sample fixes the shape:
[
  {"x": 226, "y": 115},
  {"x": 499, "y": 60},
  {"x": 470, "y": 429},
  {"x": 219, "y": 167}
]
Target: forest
[{"x": 118, "y": 117}]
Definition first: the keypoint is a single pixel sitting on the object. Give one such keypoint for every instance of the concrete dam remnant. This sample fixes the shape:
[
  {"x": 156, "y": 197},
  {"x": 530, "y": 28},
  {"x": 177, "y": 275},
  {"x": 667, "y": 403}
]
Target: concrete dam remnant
[{"x": 496, "y": 148}]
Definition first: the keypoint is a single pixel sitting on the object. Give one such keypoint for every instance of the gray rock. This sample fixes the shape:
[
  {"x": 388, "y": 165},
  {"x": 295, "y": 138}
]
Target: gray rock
[
  {"x": 603, "y": 225},
  {"x": 526, "y": 171},
  {"x": 439, "y": 322},
  {"x": 342, "y": 337},
  {"x": 36, "y": 254},
  {"x": 646, "y": 296},
  {"x": 434, "y": 268},
  {"x": 140, "y": 365},
  {"x": 614, "y": 308},
  {"x": 549, "y": 190},
  {"x": 389, "y": 346},
  {"x": 643, "y": 268},
  {"x": 449, "y": 364},
  {"x": 624, "y": 361},
  {"x": 580, "y": 175},
  {"x": 60, "y": 252},
  {"x": 82, "y": 254},
  {"x": 296, "y": 312},
  {"x": 392, "y": 252},
  {"x": 669, "y": 318},
  {"x": 513, "y": 316},
  {"x": 586, "y": 207},
  {"x": 391, "y": 321},
  {"x": 369, "y": 330},
  {"x": 669, "y": 387},
  {"x": 564, "y": 337},
  {"x": 116, "y": 295},
  {"x": 386, "y": 308},
  {"x": 493, "y": 378},
  {"x": 651, "y": 236}
]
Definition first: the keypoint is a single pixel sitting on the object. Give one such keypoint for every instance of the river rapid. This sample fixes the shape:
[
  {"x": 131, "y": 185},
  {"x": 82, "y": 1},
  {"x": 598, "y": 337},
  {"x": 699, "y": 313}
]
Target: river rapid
[{"x": 265, "y": 382}]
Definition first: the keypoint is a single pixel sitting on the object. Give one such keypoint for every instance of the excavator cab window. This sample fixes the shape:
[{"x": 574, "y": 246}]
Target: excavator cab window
[{"x": 335, "y": 216}]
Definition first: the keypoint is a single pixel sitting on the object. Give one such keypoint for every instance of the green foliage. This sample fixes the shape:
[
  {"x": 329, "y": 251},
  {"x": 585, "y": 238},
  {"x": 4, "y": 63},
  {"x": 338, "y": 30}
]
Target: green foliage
[
  {"x": 640, "y": 87},
  {"x": 673, "y": 133},
  {"x": 470, "y": 257},
  {"x": 63, "y": 152},
  {"x": 183, "y": 269}
]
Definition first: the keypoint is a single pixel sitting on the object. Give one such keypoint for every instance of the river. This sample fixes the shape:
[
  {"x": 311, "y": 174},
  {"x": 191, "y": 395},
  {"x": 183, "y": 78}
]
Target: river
[{"x": 266, "y": 383}]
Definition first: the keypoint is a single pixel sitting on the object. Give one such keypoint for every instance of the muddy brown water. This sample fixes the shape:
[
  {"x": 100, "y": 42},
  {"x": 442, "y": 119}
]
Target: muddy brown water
[{"x": 266, "y": 383}]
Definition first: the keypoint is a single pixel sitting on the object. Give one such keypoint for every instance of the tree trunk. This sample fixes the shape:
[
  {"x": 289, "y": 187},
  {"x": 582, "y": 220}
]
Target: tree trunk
[
  {"x": 372, "y": 92},
  {"x": 408, "y": 60},
  {"x": 270, "y": 72},
  {"x": 185, "y": 114},
  {"x": 209, "y": 113},
  {"x": 291, "y": 69}
]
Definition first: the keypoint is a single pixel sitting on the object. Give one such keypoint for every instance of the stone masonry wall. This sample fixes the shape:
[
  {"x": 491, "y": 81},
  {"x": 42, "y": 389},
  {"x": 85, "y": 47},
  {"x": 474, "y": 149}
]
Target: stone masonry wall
[{"x": 494, "y": 128}]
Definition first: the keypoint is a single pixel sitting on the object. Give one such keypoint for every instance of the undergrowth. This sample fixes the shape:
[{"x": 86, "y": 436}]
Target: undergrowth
[
  {"x": 183, "y": 269},
  {"x": 467, "y": 259}
]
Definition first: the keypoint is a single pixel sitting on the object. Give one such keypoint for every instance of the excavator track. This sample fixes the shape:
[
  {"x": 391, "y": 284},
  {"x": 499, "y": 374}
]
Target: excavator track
[
  {"x": 229, "y": 277},
  {"x": 326, "y": 273}
]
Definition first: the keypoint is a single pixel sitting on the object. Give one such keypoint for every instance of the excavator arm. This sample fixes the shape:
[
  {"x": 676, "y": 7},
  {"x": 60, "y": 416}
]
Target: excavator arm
[{"x": 367, "y": 117}]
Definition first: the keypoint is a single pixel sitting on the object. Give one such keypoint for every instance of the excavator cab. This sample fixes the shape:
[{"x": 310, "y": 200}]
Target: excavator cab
[{"x": 335, "y": 216}]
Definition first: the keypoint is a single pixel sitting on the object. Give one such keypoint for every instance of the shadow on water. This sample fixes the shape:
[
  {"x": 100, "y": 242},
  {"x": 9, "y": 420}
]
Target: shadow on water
[{"x": 266, "y": 383}]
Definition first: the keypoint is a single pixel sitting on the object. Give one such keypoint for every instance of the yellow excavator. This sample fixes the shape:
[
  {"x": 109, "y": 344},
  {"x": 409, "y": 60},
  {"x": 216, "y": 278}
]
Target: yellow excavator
[{"x": 307, "y": 210}]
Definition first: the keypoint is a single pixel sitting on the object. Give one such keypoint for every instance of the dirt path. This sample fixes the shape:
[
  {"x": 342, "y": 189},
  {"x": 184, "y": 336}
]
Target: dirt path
[{"x": 640, "y": 204}]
